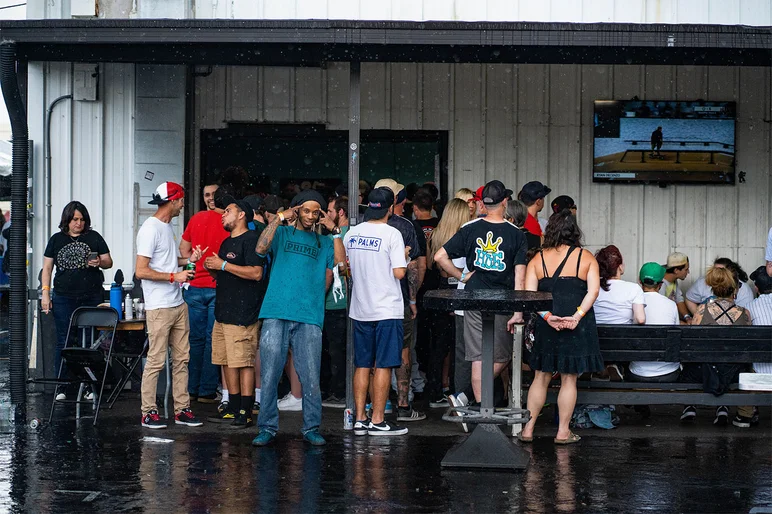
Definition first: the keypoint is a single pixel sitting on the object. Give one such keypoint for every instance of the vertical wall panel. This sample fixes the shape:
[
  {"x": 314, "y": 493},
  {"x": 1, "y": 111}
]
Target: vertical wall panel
[
  {"x": 118, "y": 226},
  {"x": 405, "y": 90},
  {"x": 594, "y": 201},
  {"x": 375, "y": 95},
  {"x": 436, "y": 96},
  {"x": 309, "y": 95},
  {"x": 468, "y": 154},
  {"x": 500, "y": 151},
  {"x": 87, "y": 171},
  {"x": 242, "y": 93},
  {"x": 337, "y": 96},
  {"x": 277, "y": 101},
  {"x": 564, "y": 108},
  {"x": 532, "y": 123}
]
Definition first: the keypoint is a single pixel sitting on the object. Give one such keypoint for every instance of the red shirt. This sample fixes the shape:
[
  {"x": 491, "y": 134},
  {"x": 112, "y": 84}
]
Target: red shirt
[
  {"x": 532, "y": 225},
  {"x": 205, "y": 229}
]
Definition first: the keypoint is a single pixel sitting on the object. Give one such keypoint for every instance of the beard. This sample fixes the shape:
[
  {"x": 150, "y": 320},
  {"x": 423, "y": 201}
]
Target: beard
[{"x": 228, "y": 227}]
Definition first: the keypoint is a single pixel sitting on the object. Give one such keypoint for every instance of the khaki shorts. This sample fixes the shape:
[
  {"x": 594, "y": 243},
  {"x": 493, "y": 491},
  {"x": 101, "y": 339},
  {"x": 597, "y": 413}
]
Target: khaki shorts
[
  {"x": 234, "y": 346},
  {"x": 502, "y": 340}
]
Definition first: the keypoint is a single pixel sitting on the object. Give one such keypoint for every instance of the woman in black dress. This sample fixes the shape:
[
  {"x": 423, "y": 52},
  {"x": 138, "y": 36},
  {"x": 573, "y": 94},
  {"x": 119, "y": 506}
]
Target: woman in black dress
[{"x": 565, "y": 339}]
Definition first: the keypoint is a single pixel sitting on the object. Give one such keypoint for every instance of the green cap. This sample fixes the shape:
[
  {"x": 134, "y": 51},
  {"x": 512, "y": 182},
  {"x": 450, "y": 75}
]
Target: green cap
[{"x": 651, "y": 273}]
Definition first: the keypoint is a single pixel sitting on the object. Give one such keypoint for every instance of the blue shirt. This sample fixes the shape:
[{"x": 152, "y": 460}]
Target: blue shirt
[{"x": 297, "y": 287}]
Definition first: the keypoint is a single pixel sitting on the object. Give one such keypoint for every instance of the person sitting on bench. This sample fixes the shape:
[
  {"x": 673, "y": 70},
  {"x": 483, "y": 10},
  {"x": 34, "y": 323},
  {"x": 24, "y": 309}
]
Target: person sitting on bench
[
  {"x": 721, "y": 310},
  {"x": 660, "y": 310}
]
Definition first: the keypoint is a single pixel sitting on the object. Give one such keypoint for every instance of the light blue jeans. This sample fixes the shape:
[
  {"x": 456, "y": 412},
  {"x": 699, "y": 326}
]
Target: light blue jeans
[{"x": 276, "y": 338}]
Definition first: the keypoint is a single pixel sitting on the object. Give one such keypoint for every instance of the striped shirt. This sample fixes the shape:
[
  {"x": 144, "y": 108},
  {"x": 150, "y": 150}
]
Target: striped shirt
[{"x": 761, "y": 313}]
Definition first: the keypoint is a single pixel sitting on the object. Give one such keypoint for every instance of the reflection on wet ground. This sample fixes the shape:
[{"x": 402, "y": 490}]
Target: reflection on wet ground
[
  {"x": 650, "y": 465},
  {"x": 119, "y": 467}
]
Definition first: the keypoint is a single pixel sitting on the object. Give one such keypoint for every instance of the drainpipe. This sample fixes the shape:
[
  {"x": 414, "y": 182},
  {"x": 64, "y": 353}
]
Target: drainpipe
[
  {"x": 47, "y": 177},
  {"x": 18, "y": 246}
]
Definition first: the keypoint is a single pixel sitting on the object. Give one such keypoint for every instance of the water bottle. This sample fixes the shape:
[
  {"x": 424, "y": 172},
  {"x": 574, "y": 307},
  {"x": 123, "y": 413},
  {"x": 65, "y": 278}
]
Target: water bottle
[
  {"x": 128, "y": 307},
  {"x": 116, "y": 299}
]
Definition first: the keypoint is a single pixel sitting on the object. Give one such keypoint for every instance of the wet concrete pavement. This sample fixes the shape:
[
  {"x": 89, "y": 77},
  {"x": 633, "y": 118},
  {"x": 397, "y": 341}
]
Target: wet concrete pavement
[{"x": 653, "y": 465}]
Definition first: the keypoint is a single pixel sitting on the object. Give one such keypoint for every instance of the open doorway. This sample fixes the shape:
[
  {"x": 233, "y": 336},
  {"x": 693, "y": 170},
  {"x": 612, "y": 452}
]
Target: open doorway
[{"x": 282, "y": 159}]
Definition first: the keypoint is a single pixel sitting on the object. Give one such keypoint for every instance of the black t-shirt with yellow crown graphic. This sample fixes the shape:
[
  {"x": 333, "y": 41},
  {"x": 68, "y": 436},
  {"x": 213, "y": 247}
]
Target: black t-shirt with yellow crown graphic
[{"x": 492, "y": 250}]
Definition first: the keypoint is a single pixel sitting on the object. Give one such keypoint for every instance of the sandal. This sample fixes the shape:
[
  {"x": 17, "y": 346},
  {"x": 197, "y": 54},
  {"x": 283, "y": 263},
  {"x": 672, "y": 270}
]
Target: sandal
[
  {"x": 571, "y": 439},
  {"x": 524, "y": 439}
]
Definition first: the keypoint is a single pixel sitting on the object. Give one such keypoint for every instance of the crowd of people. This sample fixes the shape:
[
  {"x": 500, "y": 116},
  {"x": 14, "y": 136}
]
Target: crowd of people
[{"x": 274, "y": 284}]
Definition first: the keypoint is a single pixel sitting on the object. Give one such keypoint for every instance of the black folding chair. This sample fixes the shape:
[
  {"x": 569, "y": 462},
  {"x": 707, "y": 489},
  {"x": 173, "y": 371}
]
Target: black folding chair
[
  {"x": 87, "y": 362},
  {"x": 127, "y": 350}
]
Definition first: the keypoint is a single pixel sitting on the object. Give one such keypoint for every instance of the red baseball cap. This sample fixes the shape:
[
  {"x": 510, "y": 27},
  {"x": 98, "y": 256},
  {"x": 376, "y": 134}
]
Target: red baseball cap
[
  {"x": 166, "y": 192},
  {"x": 478, "y": 194}
]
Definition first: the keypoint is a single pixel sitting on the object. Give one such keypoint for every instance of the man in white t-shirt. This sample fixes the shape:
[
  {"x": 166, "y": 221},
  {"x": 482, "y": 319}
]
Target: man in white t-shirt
[
  {"x": 659, "y": 311},
  {"x": 158, "y": 266},
  {"x": 376, "y": 255}
]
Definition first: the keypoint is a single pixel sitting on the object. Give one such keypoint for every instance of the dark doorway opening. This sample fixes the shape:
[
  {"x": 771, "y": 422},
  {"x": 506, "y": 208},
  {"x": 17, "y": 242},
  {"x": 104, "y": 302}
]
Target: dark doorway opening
[{"x": 279, "y": 159}]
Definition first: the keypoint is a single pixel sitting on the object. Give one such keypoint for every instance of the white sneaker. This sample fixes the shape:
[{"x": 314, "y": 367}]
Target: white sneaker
[
  {"x": 290, "y": 403},
  {"x": 459, "y": 400},
  {"x": 89, "y": 395},
  {"x": 61, "y": 397}
]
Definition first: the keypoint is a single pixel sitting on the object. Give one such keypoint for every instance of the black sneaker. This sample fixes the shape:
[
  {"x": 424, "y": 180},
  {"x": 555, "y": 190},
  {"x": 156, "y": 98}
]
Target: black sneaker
[
  {"x": 439, "y": 403},
  {"x": 153, "y": 420},
  {"x": 722, "y": 416},
  {"x": 386, "y": 428},
  {"x": 242, "y": 420},
  {"x": 223, "y": 407},
  {"x": 256, "y": 408},
  {"x": 409, "y": 414},
  {"x": 225, "y": 416},
  {"x": 689, "y": 414},
  {"x": 334, "y": 402},
  {"x": 361, "y": 427},
  {"x": 186, "y": 417}
]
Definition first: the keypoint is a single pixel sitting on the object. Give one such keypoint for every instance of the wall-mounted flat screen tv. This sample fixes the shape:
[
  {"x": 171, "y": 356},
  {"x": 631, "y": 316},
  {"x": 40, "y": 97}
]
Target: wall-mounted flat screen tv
[{"x": 664, "y": 141}]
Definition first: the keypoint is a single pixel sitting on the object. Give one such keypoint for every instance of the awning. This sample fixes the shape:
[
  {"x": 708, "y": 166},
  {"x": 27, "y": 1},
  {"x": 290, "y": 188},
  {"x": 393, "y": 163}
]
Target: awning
[{"x": 314, "y": 42}]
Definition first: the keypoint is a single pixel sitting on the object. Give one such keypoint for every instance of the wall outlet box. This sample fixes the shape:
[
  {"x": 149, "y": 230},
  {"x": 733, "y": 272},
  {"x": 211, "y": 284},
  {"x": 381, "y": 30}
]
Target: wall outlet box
[{"x": 85, "y": 81}]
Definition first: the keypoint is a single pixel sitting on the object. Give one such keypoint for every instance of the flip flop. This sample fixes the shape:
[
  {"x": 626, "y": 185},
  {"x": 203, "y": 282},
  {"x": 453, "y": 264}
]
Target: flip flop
[
  {"x": 523, "y": 439},
  {"x": 571, "y": 439}
]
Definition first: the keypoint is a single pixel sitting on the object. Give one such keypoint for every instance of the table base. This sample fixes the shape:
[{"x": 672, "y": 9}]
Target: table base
[{"x": 487, "y": 448}]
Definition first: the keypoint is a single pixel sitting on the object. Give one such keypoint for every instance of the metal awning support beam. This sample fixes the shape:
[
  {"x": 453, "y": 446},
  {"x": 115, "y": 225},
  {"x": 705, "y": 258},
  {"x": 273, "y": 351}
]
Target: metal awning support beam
[{"x": 354, "y": 152}]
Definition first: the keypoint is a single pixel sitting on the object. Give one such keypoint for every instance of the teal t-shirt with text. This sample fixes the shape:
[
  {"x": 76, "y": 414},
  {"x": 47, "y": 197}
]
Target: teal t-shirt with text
[{"x": 296, "y": 288}]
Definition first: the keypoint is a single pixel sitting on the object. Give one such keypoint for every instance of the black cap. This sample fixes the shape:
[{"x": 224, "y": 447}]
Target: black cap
[
  {"x": 341, "y": 190},
  {"x": 379, "y": 200},
  {"x": 221, "y": 202},
  {"x": 494, "y": 193},
  {"x": 762, "y": 280},
  {"x": 562, "y": 202},
  {"x": 254, "y": 201},
  {"x": 309, "y": 195},
  {"x": 243, "y": 206},
  {"x": 534, "y": 190}
]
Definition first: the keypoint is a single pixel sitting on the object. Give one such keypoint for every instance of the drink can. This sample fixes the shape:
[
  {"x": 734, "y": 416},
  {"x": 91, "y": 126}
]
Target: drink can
[
  {"x": 348, "y": 419},
  {"x": 191, "y": 266}
]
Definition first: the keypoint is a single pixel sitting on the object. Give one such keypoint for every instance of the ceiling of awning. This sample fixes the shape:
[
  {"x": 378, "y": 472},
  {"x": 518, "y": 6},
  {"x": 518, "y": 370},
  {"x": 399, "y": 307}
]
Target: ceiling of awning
[{"x": 313, "y": 42}]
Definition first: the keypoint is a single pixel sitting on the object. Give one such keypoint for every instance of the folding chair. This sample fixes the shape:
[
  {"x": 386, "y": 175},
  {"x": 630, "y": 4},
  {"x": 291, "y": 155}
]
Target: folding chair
[
  {"x": 88, "y": 363},
  {"x": 126, "y": 352}
]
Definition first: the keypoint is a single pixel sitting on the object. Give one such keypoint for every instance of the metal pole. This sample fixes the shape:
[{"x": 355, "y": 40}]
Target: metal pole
[{"x": 354, "y": 152}]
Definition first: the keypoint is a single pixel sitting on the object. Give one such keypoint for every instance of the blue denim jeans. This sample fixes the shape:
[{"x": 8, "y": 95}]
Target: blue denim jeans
[
  {"x": 63, "y": 308},
  {"x": 276, "y": 338},
  {"x": 203, "y": 376}
]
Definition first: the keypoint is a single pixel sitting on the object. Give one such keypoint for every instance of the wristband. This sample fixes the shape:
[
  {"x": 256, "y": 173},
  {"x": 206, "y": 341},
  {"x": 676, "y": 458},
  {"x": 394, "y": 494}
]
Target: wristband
[
  {"x": 222, "y": 268},
  {"x": 545, "y": 315},
  {"x": 171, "y": 278},
  {"x": 337, "y": 236},
  {"x": 281, "y": 217},
  {"x": 188, "y": 262},
  {"x": 462, "y": 277},
  {"x": 412, "y": 302},
  {"x": 580, "y": 311},
  {"x": 46, "y": 288}
]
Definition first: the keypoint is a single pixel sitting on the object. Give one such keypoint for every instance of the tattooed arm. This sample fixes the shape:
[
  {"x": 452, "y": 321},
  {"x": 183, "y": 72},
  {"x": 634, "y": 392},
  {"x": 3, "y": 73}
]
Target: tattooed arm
[{"x": 266, "y": 236}]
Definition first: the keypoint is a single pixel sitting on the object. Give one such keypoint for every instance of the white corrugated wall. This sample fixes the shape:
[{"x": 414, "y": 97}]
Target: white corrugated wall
[
  {"x": 527, "y": 122},
  {"x": 102, "y": 149}
]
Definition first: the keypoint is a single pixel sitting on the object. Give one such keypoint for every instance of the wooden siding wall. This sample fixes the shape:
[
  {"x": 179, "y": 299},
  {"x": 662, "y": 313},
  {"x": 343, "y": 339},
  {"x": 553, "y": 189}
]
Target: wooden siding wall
[{"x": 534, "y": 122}]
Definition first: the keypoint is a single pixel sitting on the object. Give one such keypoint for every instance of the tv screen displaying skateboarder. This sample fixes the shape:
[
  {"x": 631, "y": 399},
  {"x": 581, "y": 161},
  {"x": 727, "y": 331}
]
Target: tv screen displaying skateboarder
[{"x": 656, "y": 141}]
